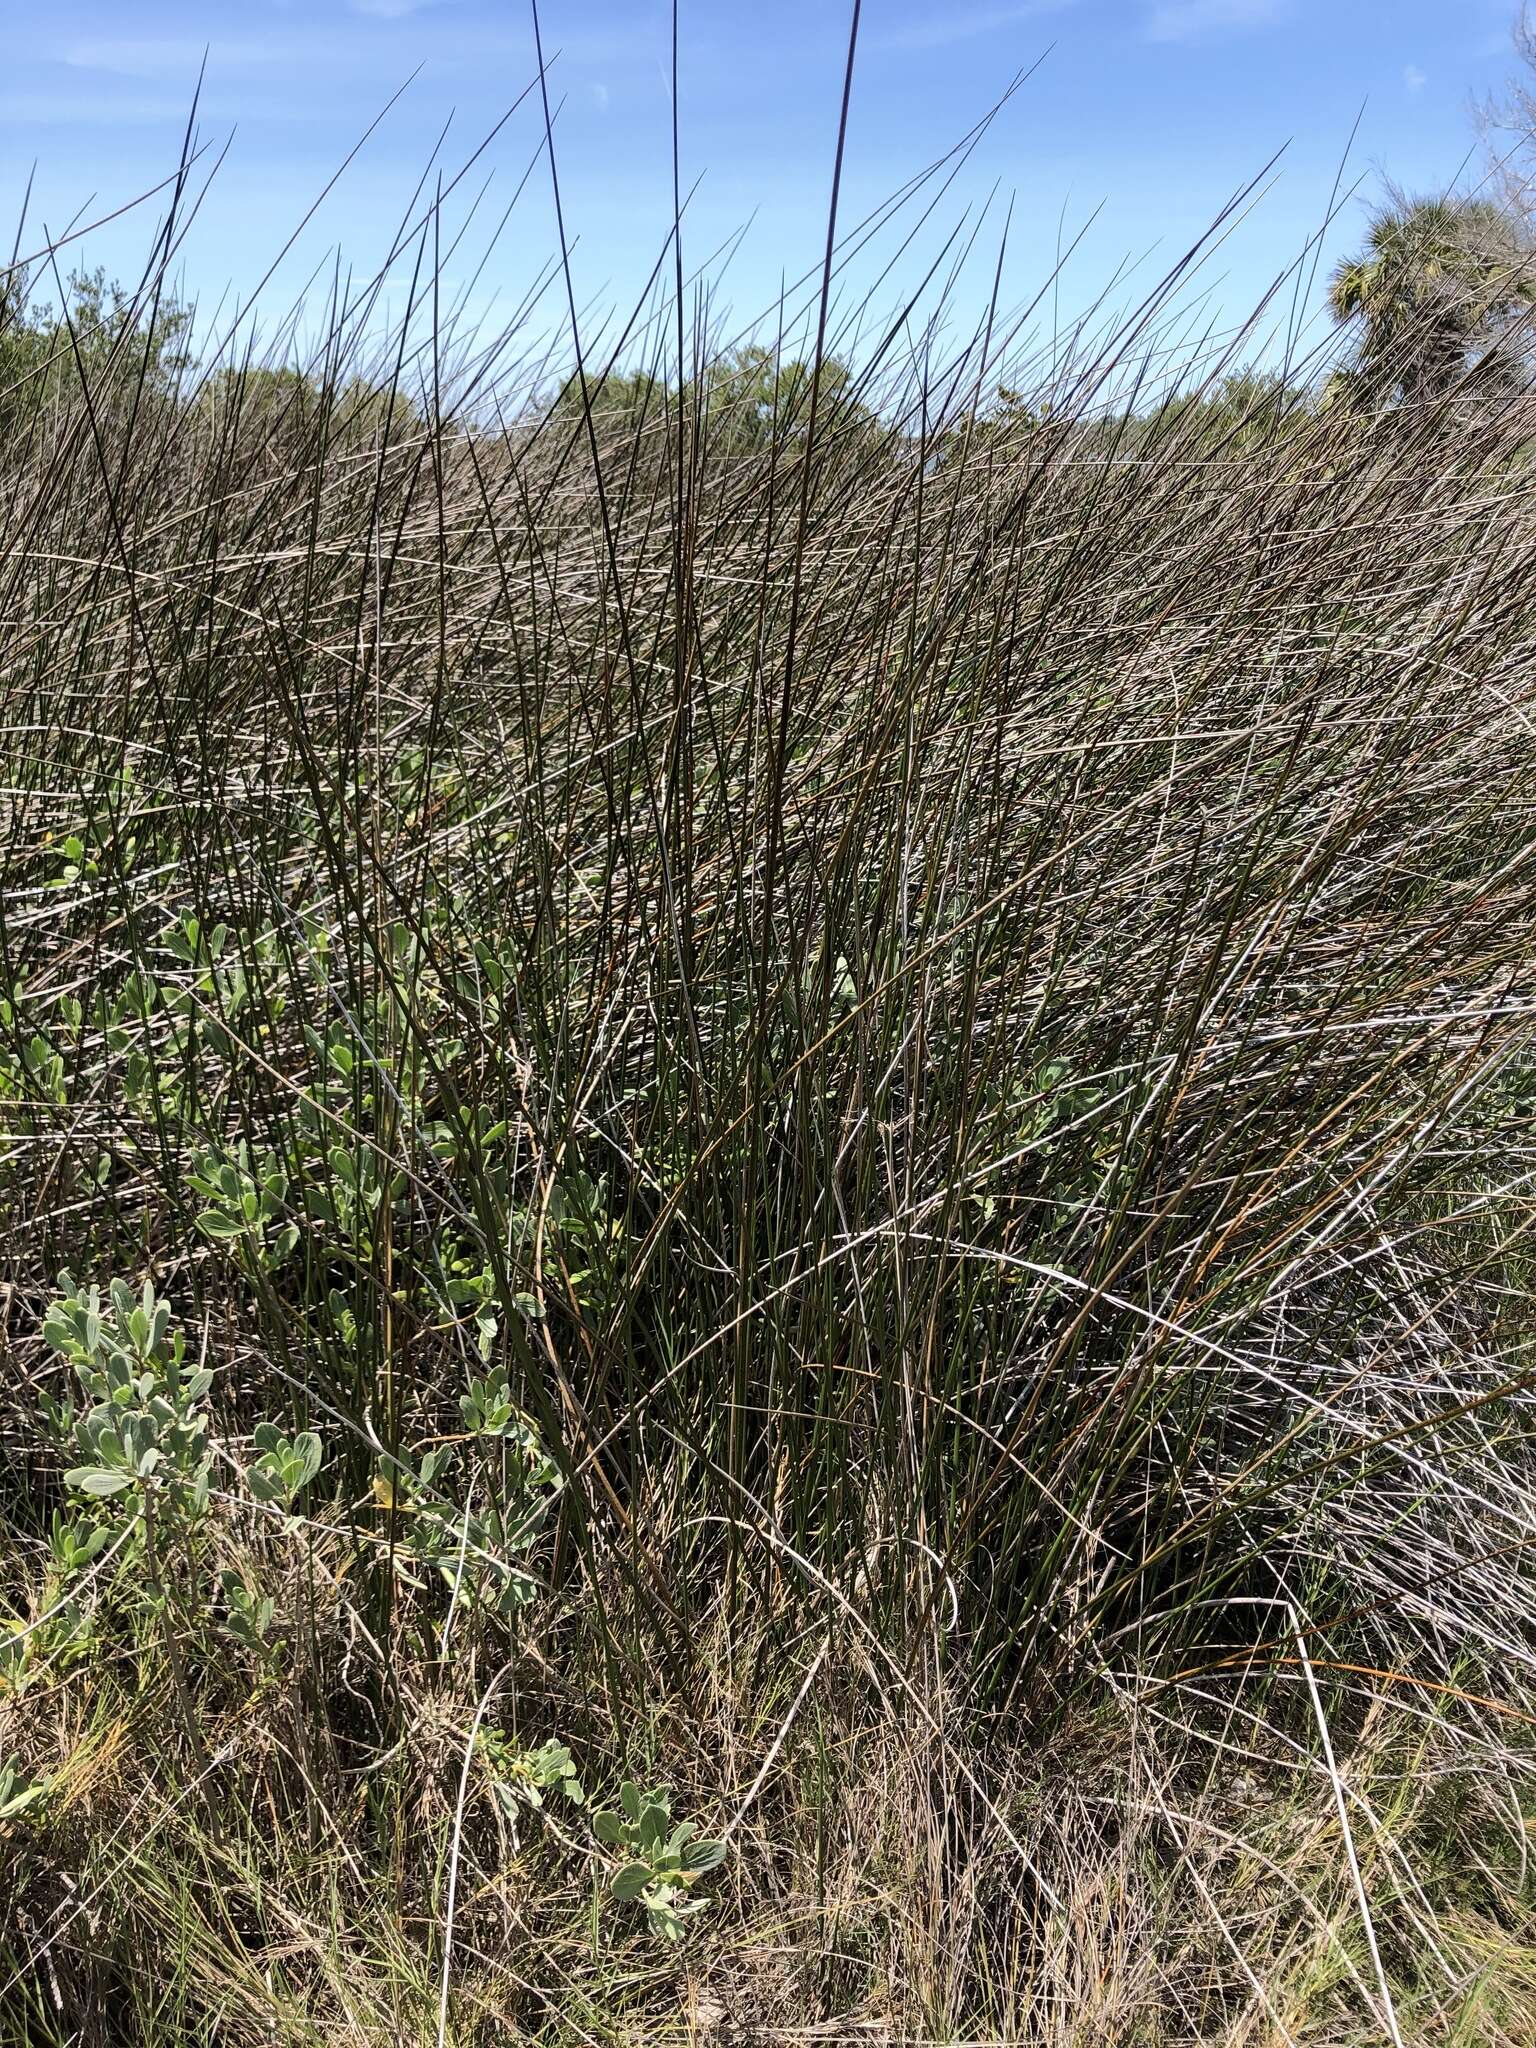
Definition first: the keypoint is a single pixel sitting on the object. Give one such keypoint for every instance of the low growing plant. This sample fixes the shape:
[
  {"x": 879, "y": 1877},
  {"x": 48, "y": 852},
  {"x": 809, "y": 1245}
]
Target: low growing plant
[
  {"x": 664, "y": 1860},
  {"x": 142, "y": 1423}
]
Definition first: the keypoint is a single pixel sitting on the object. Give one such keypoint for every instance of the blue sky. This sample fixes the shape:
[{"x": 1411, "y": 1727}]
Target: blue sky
[{"x": 1152, "y": 112}]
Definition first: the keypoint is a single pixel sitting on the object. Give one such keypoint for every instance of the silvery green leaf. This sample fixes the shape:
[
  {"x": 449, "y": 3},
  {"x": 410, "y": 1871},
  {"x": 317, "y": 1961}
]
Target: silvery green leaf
[
  {"x": 18, "y": 1802},
  {"x": 262, "y": 1483},
  {"x": 215, "y": 1223},
  {"x": 631, "y": 1880},
  {"x": 702, "y": 1855},
  {"x": 96, "y": 1479}
]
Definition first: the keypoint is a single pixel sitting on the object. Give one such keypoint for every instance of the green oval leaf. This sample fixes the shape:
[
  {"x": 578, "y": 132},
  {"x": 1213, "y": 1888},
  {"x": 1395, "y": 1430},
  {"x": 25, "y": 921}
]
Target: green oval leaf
[
  {"x": 96, "y": 1479},
  {"x": 631, "y": 1881}
]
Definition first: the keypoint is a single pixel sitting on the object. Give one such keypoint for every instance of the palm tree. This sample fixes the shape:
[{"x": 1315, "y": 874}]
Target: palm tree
[{"x": 1438, "y": 292}]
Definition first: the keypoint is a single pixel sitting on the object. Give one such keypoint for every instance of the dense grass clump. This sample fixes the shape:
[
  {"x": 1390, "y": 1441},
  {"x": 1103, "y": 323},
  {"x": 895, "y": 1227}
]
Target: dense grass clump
[{"x": 812, "y": 1100}]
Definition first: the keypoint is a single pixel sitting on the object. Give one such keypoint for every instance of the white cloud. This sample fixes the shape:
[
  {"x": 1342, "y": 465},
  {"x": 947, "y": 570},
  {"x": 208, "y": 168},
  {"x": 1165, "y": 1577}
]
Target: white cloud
[
  {"x": 390, "y": 10},
  {"x": 1182, "y": 21},
  {"x": 959, "y": 25},
  {"x": 111, "y": 109},
  {"x": 171, "y": 56},
  {"x": 600, "y": 96},
  {"x": 1414, "y": 79}
]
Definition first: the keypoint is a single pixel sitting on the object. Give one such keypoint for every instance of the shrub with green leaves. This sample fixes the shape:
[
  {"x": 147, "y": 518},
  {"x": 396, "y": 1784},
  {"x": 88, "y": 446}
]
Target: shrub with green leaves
[
  {"x": 248, "y": 1617},
  {"x": 283, "y": 1466},
  {"x": 73, "y": 1545},
  {"x": 142, "y": 1424},
  {"x": 664, "y": 1860},
  {"x": 521, "y": 1777},
  {"x": 478, "y": 1550},
  {"x": 245, "y": 1204}
]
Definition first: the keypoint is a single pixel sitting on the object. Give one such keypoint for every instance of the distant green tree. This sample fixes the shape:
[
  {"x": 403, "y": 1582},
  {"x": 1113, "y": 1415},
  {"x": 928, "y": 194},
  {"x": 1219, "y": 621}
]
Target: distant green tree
[
  {"x": 751, "y": 397},
  {"x": 742, "y": 403},
  {"x": 367, "y": 412},
  {"x": 106, "y": 336},
  {"x": 1437, "y": 296},
  {"x": 258, "y": 398},
  {"x": 272, "y": 399},
  {"x": 618, "y": 398},
  {"x": 1005, "y": 419},
  {"x": 1237, "y": 412},
  {"x": 263, "y": 388}
]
